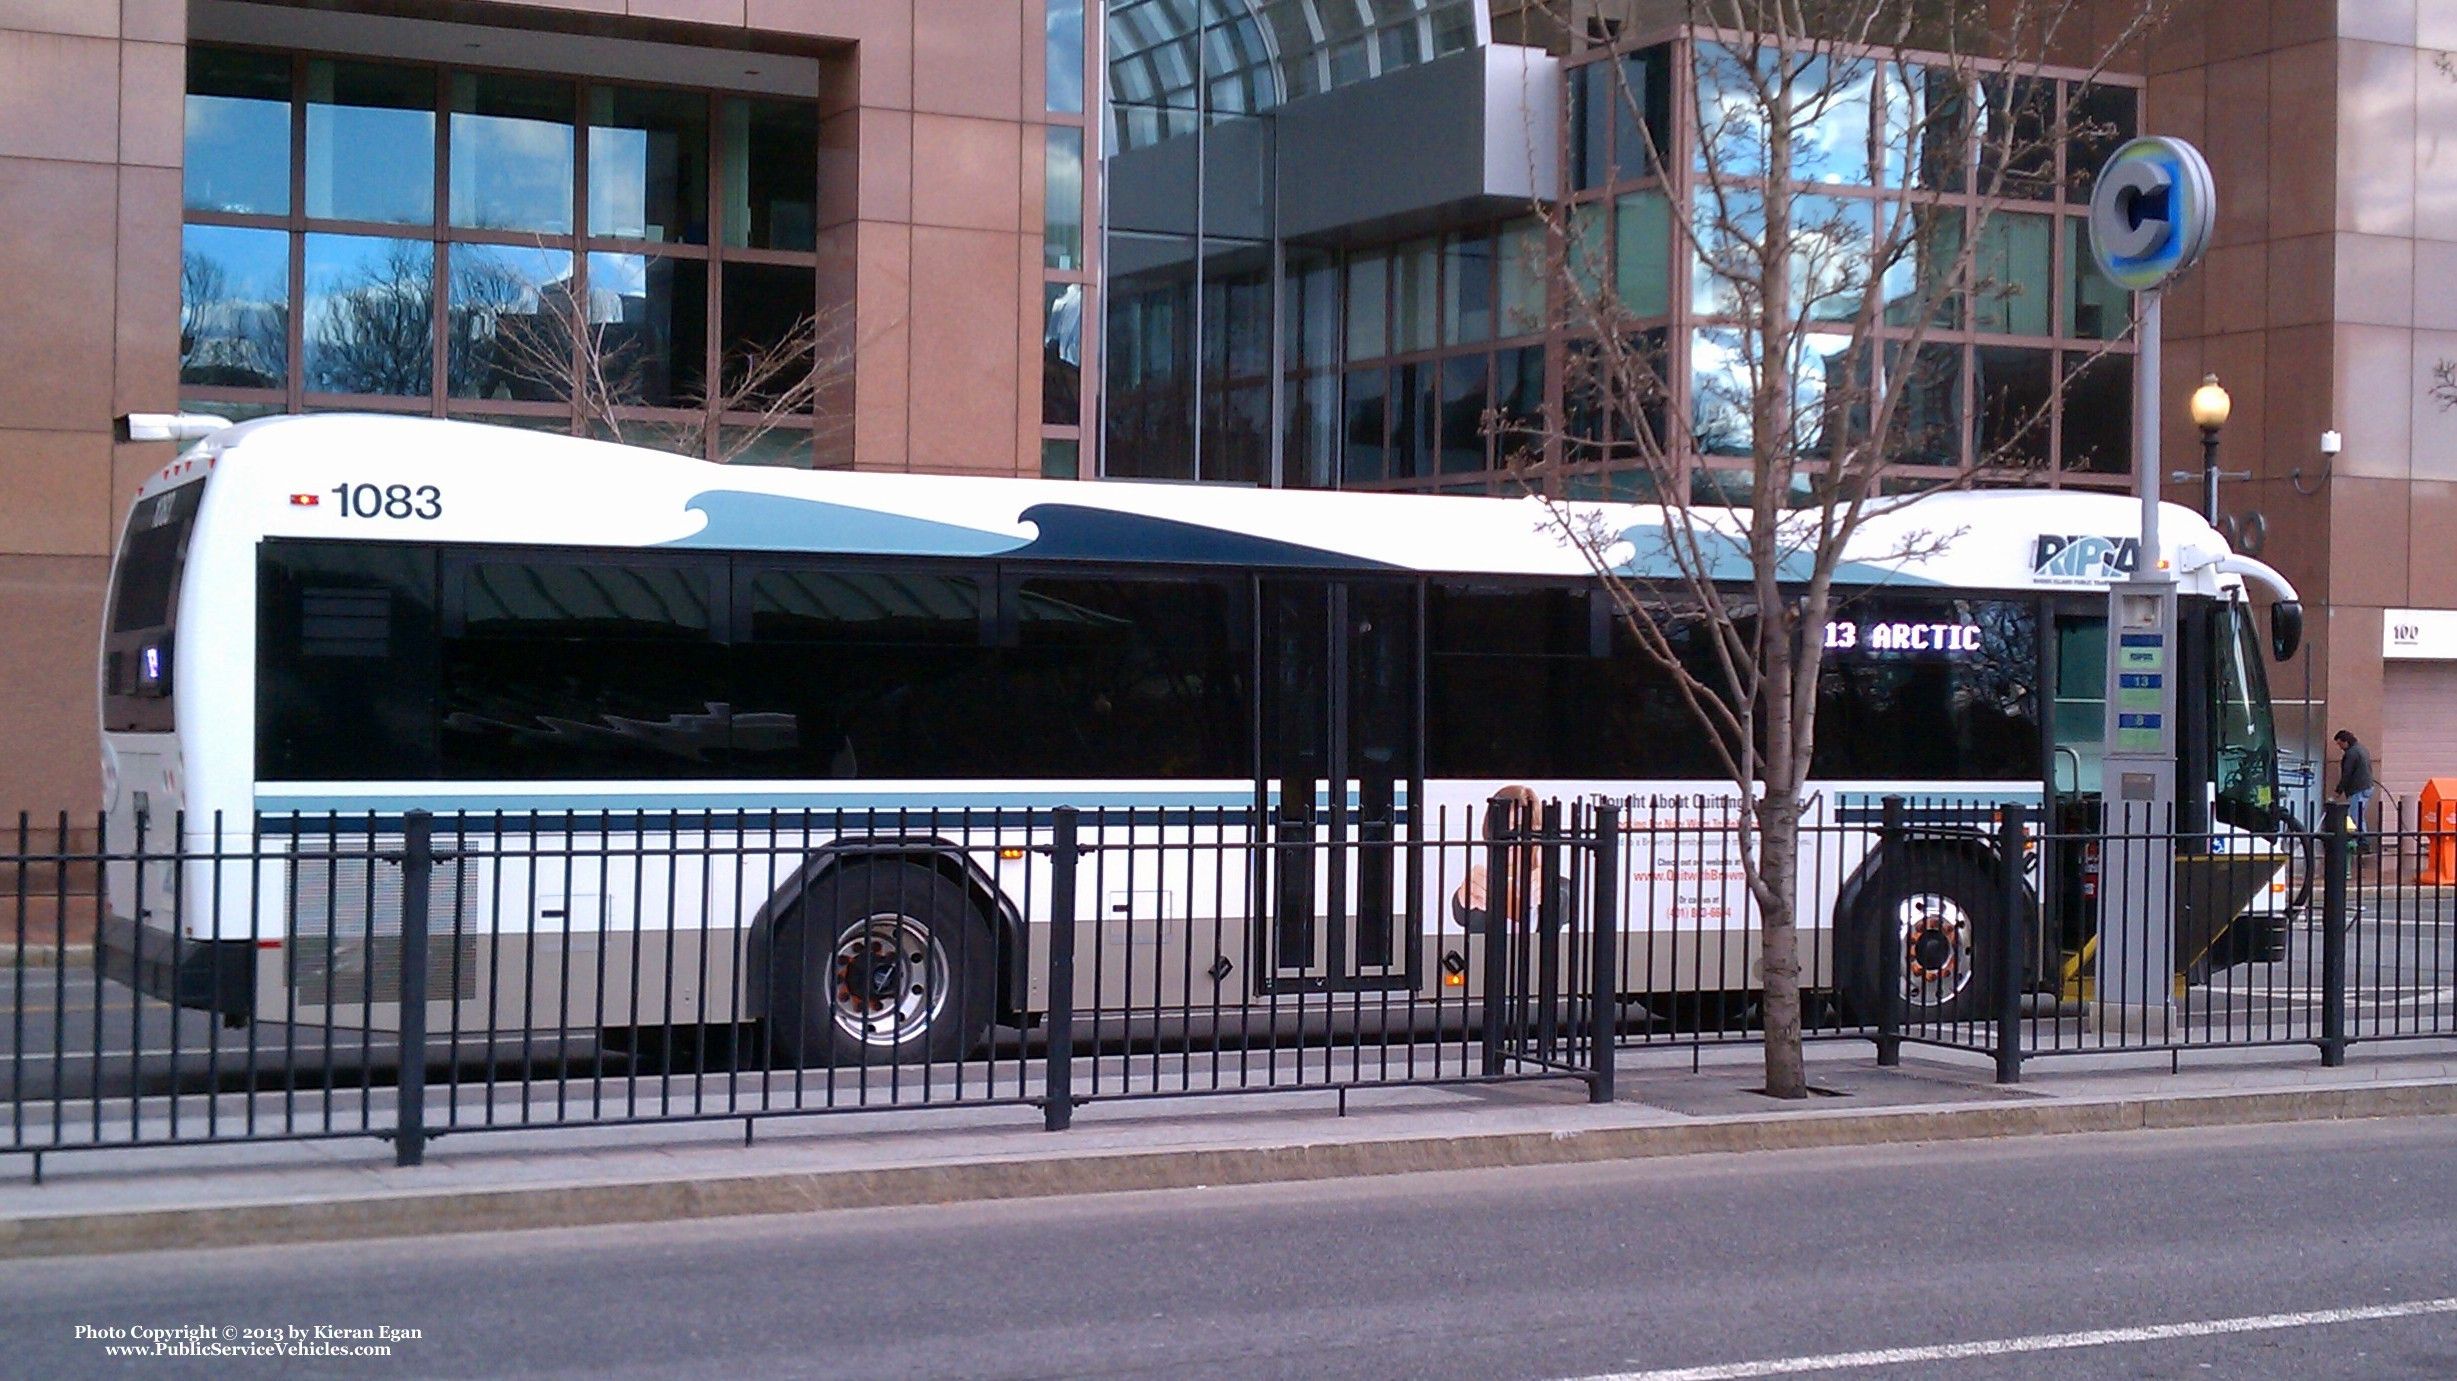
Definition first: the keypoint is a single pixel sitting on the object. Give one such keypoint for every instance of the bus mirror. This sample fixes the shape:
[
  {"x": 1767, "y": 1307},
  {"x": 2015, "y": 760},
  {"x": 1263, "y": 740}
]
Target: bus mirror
[{"x": 2285, "y": 628}]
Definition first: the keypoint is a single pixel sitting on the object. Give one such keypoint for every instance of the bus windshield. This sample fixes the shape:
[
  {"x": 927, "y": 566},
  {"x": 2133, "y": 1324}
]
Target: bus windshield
[{"x": 2243, "y": 736}]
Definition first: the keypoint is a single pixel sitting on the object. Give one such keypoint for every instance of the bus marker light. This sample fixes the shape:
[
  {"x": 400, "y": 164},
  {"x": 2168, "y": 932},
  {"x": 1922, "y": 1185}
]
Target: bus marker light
[
  {"x": 1010, "y": 855},
  {"x": 268, "y": 944},
  {"x": 303, "y": 500}
]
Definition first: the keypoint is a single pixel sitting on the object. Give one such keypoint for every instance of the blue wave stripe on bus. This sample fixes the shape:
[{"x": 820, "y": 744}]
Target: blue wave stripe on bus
[
  {"x": 1726, "y": 558},
  {"x": 775, "y": 522},
  {"x": 742, "y": 521}
]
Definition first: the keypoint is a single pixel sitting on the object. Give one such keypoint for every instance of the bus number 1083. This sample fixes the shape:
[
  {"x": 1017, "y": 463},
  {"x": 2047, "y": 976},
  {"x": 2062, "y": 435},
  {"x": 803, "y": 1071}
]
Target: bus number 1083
[{"x": 389, "y": 501}]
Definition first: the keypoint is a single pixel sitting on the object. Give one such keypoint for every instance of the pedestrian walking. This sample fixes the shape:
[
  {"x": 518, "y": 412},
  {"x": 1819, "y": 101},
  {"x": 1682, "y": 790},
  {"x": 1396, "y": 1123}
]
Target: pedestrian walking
[{"x": 2355, "y": 782}]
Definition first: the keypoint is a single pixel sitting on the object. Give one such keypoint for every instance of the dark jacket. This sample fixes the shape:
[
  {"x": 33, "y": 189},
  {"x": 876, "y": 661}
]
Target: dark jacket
[{"x": 2355, "y": 770}]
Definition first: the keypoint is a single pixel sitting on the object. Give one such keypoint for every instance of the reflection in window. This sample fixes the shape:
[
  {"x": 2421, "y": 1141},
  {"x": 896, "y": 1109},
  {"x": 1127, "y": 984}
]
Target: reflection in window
[
  {"x": 1928, "y": 411},
  {"x": 1923, "y": 269},
  {"x": 1464, "y": 394},
  {"x": 1730, "y": 227},
  {"x": 771, "y": 197},
  {"x": 1834, "y": 146},
  {"x": 2098, "y": 421},
  {"x": 1522, "y": 278},
  {"x": 2017, "y": 137},
  {"x": 1642, "y": 254},
  {"x": 1061, "y": 458},
  {"x": 1063, "y": 56},
  {"x": 511, "y": 153},
  {"x": 1831, "y": 248},
  {"x": 1414, "y": 296},
  {"x": 370, "y": 142},
  {"x": 1126, "y": 678},
  {"x": 2095, "y": 309},
  {"x": 238, "y": 132},
  {"x": 1720, "y": 377},
  {"x": 1592, "y": 96},
  {"x": 770, "y": 341},
  {"x": 861, "y": 674},
  {"x": 2012, "y": 277},
  {"x": 508, "y": 323},
  {"x": 1062, "y": 354},
  {"x": 2015, "y": 386},
  {"x": 1467, "y": 288},
  {"x": 1518, "y": 396},
  {"x": 369, "y": 316},
  {"x": 234, "y": 307},
  {"x": 583, "y": 671},
  {"x": 649, "y": 318},
  {"x": 1364, "y": 454},
  {"x": 1646, "y": 96},
  {"x": 1586, "y": 255},
  {"x": 2102, "y": 119},
  {"x": 1062, "y": 199},
  {"x": 648, "y": 165},
  {"x": 1368, "y": 286}
]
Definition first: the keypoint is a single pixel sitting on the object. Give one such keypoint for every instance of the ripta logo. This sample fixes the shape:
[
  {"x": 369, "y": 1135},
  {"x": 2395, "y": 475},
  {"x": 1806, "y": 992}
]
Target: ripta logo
[{"x": 2084, "y": 558}]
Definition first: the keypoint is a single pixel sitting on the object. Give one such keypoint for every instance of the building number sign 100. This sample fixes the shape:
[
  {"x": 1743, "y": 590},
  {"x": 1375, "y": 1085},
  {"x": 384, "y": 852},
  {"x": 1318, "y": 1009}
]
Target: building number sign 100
[
  {"x": 1891, "y": 635},
  {"x": 389, "y": 501}
]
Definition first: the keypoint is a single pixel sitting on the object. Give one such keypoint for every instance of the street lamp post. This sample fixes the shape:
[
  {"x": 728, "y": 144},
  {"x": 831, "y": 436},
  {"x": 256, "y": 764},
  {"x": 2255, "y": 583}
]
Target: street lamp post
[{"x": 2210, "y": 408}]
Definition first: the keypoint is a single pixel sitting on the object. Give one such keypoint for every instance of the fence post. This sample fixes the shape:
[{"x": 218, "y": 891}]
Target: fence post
[
  {"x": 1604, "y": 978},
  {"x": 1889, "y": 940},
  {"x": 409, "y": 1139},
  {"x": 1549, "y": 875},
  {"x": 2012, "y": 950},
  {"x": 2333, "y": 934},
  {"x": 1058, "y": 1075},
  {"x": 1500, "y": 888}
]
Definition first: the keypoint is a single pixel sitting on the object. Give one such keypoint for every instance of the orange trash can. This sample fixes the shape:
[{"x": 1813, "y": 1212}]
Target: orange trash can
[{"x": 2438, "y": 820}]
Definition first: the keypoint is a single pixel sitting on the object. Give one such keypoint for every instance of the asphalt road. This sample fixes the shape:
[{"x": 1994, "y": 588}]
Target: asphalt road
[{"x": 1709, "y": 1263}]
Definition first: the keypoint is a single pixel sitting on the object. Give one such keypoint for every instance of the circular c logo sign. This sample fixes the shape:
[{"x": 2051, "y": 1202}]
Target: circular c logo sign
[{"x": 2151, "y": 213}]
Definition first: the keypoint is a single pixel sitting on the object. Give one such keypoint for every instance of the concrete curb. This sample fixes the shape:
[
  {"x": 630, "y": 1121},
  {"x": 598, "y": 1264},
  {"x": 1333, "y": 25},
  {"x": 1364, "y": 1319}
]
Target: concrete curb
[{"x": 427, "y": 1213}]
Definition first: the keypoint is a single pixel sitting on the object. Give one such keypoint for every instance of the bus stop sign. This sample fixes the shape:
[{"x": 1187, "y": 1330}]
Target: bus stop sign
[{"x": 2152, "y": 212}]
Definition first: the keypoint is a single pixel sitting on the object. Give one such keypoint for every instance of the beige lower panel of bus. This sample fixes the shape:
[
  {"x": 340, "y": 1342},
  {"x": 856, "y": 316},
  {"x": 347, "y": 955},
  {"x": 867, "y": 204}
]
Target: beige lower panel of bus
[{"x": 586, "y": 983}]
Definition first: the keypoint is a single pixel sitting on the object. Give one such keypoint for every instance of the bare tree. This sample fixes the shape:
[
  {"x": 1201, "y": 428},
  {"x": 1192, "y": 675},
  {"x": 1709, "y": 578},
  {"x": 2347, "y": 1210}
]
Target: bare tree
[
  {"x": 595, "y": 352},
  {"x": 1815, "y": 377}
]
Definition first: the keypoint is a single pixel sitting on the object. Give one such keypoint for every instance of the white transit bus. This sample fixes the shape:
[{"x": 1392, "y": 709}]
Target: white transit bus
[{"x": 344, "y": 618}]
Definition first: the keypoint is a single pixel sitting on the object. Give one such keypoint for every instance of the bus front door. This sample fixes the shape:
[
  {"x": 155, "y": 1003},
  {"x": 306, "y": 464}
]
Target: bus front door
[
  {"x": 1339, "y": 744},
  {"x": 2078, "y": 738}
]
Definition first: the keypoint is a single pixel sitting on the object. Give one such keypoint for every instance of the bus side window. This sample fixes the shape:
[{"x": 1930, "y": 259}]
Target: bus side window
[
  {"x": 589, "y": 669},
  {"x": 345, "y": 662},
  {"x": 851, "y": 673}
]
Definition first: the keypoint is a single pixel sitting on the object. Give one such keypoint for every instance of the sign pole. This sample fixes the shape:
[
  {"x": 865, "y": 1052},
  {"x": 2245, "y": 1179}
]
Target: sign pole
[{"x": 2150, "y": 219}]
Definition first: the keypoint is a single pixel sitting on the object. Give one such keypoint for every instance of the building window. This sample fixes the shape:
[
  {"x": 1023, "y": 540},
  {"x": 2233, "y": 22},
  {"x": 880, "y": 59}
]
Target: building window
[{"x": 477, "y": 243}]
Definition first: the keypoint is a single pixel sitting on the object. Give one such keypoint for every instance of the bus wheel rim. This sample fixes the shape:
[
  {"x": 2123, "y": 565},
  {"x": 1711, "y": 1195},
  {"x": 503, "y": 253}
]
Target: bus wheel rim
[
  {"x": 1934, "y": 931},
  {"x": 887, "y": 980}
]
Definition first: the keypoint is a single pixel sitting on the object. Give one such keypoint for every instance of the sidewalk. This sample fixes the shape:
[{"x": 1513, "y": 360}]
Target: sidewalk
[{"x": 112, "y": 1201}]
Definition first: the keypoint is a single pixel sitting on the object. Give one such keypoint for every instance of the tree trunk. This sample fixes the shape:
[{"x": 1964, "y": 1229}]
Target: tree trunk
[{"x": 1778, "y": 832}]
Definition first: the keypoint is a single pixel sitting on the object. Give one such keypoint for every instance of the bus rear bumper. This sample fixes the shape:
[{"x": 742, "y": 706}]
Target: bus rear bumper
[{"x": 217, "y": 976}]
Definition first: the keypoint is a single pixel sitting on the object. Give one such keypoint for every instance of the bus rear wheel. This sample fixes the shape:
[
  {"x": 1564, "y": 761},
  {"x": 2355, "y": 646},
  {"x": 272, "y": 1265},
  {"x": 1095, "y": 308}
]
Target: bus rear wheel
[
  {"x": 1940, "y": 910},
  {"x": 881, "y": 964}
]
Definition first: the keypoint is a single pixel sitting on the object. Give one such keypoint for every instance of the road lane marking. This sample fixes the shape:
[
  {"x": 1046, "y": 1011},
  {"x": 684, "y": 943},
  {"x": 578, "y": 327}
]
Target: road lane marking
[{"x": 2037, "y": 1342}]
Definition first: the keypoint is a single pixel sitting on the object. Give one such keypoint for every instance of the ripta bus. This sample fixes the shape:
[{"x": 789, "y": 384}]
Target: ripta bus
[{"x": 344, "y": 618}]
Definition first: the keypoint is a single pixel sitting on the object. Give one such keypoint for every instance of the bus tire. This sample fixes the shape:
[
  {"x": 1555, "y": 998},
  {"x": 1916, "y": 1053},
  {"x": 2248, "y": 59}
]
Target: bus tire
[
  {"x": 881, "y": 963},
  {"x": 1941, "y": 908}
]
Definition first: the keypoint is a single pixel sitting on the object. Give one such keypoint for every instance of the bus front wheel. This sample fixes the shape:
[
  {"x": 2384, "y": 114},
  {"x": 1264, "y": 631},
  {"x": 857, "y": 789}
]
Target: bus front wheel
[
  {"x": 881, "y": 963},
  {"x": 1940, "y": 910}
]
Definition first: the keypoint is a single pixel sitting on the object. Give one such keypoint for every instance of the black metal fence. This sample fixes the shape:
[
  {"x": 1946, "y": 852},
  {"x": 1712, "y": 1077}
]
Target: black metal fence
[
  {"x": 265, "y": 982},
  {"x": 549, "y": 971}
]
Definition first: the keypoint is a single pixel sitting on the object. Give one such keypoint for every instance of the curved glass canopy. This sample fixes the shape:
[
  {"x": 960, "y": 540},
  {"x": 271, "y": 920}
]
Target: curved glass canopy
[{"x": 1173, "y": 61}]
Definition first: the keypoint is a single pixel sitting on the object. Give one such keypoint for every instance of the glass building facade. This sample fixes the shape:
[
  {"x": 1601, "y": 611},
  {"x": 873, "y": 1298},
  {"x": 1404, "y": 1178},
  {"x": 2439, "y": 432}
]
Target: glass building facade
[
  {"x": 1436, "y": 352},
  {"x": 568, "y": 254}
]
